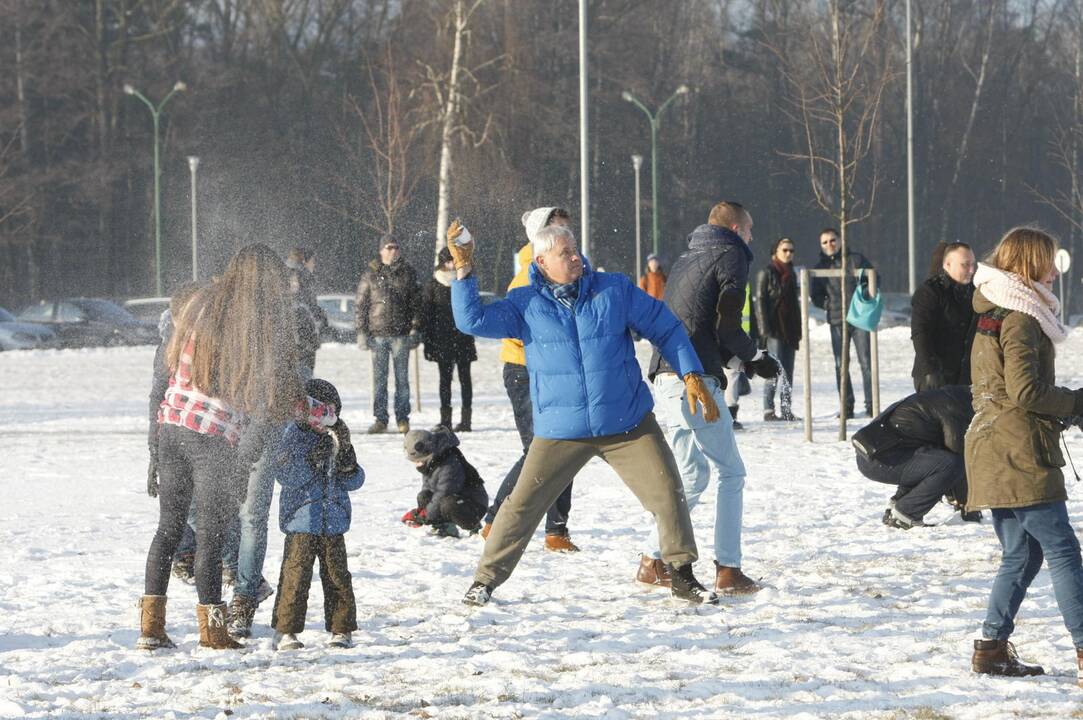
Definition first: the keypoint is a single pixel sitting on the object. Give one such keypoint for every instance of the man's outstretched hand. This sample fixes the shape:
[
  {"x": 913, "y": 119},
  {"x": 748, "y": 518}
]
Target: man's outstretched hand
[
  {"x": 461, "y": 255},
  {"x": 698, "y": 392}
]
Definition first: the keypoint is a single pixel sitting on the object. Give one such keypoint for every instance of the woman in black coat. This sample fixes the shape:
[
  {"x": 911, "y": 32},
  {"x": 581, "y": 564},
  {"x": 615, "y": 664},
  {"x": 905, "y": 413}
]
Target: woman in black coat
[
  {"x": 444, "y": 344},
  {"x": 778, "y": 321}
]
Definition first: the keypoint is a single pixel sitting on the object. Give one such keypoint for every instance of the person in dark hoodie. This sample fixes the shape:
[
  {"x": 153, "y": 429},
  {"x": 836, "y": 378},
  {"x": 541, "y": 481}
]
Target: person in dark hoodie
[
  {"x": 452, "y": 492},
  {"x": 826, "y": 293},
  {"x": 707, "y": 290},
  {"x": 450, "y": 349},
  {"x": 942, "y": 321},
  {"x": 917, "y": 444}
]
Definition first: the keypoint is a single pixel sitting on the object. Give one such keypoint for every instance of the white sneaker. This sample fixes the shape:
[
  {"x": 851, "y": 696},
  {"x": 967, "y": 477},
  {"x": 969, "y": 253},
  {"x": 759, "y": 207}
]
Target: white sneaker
[
  {"x": 286, "y": 641},
  {"x": 341, "y": 640}
]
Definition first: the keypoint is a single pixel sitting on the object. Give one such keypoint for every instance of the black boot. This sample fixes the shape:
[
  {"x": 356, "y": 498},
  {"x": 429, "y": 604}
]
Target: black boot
[
  {"x": 464, "y": 422},
  {"x": 445, "y": 418},
  {"x": 733, "y": 414},
  {"x": 686, "y": 587}
]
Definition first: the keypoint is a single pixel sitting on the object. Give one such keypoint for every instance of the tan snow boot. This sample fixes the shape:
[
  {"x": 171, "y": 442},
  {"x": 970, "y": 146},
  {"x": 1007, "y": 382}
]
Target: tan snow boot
[
  {"x": 212, "y": 628},
  {"x": 653, "y": 572},
  {"x": 152, "y": 624}
]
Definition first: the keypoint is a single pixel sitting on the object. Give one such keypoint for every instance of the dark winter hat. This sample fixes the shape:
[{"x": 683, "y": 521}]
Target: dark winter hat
[
  {"x": 325, "y": 392},
  {"x": 419, "y": 445},
  {"x": 444, "y": 256}
]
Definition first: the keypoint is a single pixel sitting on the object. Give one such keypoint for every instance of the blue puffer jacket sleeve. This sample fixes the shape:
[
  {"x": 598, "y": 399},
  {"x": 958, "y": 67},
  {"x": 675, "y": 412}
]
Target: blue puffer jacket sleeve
[
  {"x": 501, "y": 319},
  {"x": 656, "y": 322}
]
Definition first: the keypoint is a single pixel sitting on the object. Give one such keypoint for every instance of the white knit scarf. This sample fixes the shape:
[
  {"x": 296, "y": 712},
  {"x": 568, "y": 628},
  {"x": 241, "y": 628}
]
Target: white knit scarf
[{"x": 1007, "y": 290}]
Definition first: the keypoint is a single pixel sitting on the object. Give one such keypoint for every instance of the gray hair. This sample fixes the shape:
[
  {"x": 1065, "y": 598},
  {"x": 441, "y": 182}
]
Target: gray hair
[{"x": 547, "y": 237}]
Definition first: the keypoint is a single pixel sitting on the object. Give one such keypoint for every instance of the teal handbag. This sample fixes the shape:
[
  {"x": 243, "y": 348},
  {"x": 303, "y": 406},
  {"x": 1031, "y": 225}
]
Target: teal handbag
[{"x": 864, "y": 312}]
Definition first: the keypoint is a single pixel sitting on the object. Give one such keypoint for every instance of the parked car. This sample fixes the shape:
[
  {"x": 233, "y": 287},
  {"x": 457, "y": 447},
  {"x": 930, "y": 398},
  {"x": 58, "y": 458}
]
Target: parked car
[
  {"x": 16, "y": 335},
  {"x": 340, "y": 317},
  {"x": 89, "y": 322},
  {"x": 148, "y": 310}
]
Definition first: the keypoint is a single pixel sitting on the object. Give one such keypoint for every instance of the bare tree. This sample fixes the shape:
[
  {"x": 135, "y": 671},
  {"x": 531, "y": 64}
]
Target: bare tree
[{"x": 836, "y": 93}]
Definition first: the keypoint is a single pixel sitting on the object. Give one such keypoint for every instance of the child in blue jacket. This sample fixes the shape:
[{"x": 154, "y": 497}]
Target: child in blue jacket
[{"x": 314, "y": 512}]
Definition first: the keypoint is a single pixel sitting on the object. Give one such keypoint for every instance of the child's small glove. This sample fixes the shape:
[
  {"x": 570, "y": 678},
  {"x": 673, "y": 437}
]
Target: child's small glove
[
  {"x": 320, "y": 453},
  {"x": 415, "y": 517},
  {"x": 346, "y": 460}
]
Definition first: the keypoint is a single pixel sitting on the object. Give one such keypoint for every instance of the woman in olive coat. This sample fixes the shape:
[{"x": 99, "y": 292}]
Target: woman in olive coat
[{"x": 1013, "y": 456}]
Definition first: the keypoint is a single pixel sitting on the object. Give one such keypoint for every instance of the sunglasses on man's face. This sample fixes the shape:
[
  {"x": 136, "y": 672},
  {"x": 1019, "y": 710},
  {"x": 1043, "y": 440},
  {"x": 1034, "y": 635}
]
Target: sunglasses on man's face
[{"x": 785, "y": 250}]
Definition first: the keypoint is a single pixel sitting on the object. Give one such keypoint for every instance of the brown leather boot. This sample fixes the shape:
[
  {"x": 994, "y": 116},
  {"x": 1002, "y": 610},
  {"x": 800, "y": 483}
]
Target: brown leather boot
[
  {"x": 998, "y": 657},
  {"x": 560, "y": 543},
  {"x": 1079, "y": 662},
  {"x": 486, "y": 530},
  {"x": 731, "y": 581},
  {"x": 152, "y": 624},
  {"x": 212, "y": 628},
  {"x": 653, "y": 572}
]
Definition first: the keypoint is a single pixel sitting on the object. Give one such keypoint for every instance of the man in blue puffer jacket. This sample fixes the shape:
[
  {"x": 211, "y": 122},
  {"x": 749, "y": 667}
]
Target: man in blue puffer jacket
[
  {"x": 588, "y": 395},
  {"x": 314, "y": 513}
]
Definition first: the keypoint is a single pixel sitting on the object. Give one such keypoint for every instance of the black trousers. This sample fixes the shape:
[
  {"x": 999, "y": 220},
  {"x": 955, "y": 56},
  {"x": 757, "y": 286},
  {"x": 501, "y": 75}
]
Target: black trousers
[
  {"x": 466, "y": 387},
  {"x": 295, "y": 579},
  {"x": 203, "y": 467},
  {"x": 454, "y": 509},
  {"x": 923, "y": 476}
]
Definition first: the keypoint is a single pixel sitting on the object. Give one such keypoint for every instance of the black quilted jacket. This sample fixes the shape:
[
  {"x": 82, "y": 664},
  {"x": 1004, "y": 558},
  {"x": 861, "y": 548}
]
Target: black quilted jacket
[{"x": 706, "y": 290}]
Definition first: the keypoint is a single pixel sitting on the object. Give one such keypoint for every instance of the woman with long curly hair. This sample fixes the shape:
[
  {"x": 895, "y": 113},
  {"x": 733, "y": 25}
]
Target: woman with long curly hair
[{"x": 232, "y": 363}]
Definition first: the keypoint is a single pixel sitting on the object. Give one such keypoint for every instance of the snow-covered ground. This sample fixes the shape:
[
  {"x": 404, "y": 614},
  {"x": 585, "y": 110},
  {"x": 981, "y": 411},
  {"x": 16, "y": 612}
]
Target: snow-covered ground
[{"x": 860, "y": 620}]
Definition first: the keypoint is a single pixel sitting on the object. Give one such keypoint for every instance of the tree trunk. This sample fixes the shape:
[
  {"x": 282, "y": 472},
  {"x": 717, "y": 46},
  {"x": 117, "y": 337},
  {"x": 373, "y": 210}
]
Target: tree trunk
[
  {"x": 449, "y": 114},
  {"x": 840, "y": 127},
  {"x": 20, "y": 84}
]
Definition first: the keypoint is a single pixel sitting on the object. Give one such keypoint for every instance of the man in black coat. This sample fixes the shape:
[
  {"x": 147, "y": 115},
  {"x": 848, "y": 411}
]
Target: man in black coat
[
  {"x": 826, "y": 293},
  {"x": 387, "y": 324},
  {"x": 706, "y": 290},
  {"x": 917, "y": 444},
  {"x": 942, "y": 322}
]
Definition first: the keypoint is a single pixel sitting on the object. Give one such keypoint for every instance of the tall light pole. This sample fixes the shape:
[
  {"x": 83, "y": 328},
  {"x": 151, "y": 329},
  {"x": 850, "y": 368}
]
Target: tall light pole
[
  {"x": 654, "y": 119},
  {"x": 584, "y": 145},
  {"x": 156, "y": 111},
  {"x": 193, "y": 165},
  {"x": 910, "y": 241},
  {"x": 637, "y": 163}
]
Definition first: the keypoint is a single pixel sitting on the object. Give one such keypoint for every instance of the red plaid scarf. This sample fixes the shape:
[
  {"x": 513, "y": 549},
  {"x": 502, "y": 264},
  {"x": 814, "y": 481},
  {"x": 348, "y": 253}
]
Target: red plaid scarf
[{"x": 187, "y": 406}]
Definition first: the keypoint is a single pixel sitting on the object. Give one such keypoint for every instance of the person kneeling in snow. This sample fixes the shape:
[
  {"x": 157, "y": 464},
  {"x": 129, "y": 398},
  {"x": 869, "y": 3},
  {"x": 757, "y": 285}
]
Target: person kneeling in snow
[
  {"x": 452, "y": 492},
  {"x": 917, "y": 444},
  {"x": 317, "y": 471}
]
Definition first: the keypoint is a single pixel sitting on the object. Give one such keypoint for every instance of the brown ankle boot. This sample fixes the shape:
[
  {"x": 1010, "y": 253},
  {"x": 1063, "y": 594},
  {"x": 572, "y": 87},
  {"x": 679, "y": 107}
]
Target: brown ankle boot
[
  {"x": 731, "y": 581},
  {"x": 152, "y": 624},
  {"x": 998, "y": 657},
  {"x": 212, "y": 628},
  {"x": 486, "y": 530},
  {"x": 560, "y": 543},
  {"x": 653, "y": 572}
]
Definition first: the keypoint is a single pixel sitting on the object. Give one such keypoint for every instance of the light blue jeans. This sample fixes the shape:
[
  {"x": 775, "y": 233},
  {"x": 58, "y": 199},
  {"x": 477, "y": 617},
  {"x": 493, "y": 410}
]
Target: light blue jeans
[
  {"x": 397, "y": 350},
  {"x": 254, "y": 515},
  {"x": 704, "y": 449}
]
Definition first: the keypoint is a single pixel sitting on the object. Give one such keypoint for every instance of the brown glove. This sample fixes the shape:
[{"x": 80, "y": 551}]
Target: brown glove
[
  {"x": 462, "y": 255},
  {"x": 697, "y": 391}
]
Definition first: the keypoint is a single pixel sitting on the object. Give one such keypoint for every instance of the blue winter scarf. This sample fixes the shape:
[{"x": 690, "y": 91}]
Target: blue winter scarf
[{"x": 565, "y": 294}]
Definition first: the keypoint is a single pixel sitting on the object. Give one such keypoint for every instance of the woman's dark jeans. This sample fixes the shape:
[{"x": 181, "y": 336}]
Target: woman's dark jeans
[
  {"x": 517, "y": 384},
  {"x": 204, "y": 467},
  {"x": 466, "y": 387}
]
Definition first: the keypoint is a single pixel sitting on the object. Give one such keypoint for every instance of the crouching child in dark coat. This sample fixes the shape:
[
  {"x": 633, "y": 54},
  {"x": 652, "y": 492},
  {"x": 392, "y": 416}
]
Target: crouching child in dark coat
[
  {"x": 452, "y": 492},
  {"x": 317, "y": 471}
]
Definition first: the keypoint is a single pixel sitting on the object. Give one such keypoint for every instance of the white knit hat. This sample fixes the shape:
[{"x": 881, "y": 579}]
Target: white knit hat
[{"x": 534, "y": 220}]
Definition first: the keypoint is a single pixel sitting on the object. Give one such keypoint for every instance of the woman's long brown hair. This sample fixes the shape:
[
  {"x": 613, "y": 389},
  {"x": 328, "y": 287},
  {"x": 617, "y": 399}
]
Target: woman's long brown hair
[{"x": 245, "y": 334}]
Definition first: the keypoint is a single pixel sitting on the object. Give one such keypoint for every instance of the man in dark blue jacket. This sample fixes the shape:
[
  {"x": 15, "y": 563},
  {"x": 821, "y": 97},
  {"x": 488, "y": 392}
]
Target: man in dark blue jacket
[
  {"x": 706, "y": 290},
  {"x": 588, "y": 397}
]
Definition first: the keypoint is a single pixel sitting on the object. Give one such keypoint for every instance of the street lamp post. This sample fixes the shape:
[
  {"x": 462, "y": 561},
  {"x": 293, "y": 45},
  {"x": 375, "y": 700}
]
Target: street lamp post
[
  {"x": 584, "y": 127},
  {"x": 654, "y": 119},
  {"x": 193, "y": 165},
  {"x": 637, "y": 163},
  {"x": 156, "y": 111}
]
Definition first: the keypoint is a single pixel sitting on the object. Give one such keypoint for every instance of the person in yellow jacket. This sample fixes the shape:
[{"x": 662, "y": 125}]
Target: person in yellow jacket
[
  {"x": 736, "y": 381},
  {"x": 517, "y": 385}
]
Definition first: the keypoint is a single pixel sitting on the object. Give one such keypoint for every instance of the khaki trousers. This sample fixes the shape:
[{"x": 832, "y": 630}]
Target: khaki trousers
[
  {"x": 642, "y": 459},
  {"x": 291, "y": 602}
]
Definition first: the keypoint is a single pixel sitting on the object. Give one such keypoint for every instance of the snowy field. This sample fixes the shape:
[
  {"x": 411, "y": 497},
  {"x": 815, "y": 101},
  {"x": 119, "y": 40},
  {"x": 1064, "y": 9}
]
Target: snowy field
[{"x": 860, "y": 620}]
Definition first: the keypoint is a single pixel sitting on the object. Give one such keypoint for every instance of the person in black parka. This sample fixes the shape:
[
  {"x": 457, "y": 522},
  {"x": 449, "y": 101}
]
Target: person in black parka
[
  {"x": 452, "y": 492},
  {"x": 917, "y": 444},
  {"x": 942, "y": 322},
  {"x": 444, "y": 344},
  {"x": 778, "y": 321}
]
